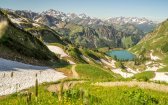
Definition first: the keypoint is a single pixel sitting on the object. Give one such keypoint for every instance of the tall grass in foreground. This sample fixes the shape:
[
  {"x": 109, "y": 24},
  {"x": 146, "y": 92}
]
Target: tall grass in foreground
[{"x": 86, "y": 94}]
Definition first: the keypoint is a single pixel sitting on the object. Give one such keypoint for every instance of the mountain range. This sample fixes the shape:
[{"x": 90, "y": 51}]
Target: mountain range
[{"x": 86, "y": 31}]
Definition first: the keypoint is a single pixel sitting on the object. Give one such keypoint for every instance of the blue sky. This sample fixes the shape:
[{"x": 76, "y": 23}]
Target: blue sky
[{"x": 152, "y": 9}]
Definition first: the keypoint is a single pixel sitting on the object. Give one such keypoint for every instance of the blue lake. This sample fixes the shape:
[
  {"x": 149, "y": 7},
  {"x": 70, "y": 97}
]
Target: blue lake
[{"x": 121, "y": 54}]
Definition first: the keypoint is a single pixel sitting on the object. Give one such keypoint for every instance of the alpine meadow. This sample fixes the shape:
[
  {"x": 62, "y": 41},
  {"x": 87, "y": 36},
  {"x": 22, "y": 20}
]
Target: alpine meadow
[{"x": 92, "y": 52}]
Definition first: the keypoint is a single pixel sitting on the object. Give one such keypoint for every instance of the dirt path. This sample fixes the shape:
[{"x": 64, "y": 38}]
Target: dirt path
[
  {"x": 66, "y": 85},
  {"x": 74, "y": 73},
  {"x": 142, "y": 85}
]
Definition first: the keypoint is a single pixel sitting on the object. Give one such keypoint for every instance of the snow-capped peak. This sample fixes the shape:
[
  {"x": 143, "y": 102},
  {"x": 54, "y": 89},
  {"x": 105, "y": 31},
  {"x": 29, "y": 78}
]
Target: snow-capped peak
[
  {"x": 72, "y": 15},
  {"x": 83, "y": 16},
  {"x": 54, "y": 13},
  {"x": 131, "y": 20}
]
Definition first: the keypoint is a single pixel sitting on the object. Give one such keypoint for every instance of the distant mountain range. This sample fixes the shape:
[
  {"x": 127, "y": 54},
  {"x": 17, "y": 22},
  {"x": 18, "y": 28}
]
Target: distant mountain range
[
  {"x": 85, "y": 31},
  {"x": 83, "y": 19}
]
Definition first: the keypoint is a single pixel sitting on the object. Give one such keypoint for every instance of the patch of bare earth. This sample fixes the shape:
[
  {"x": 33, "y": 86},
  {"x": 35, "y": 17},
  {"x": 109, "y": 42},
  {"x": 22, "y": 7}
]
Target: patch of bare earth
[
  {"x": 74, "y": 73},
  {"x": 66, "y": 85},
  {"x": 66, "y": 72}
]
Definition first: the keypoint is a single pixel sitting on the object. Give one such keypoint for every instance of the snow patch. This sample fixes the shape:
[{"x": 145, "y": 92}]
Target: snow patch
[
  {"x": 154, "y": 68},
  {"x": 36, "y": 25},
  {"x": 84, "y": 57},
  {"x": 71, "y": 62},
  {"x": 131, "y": 70},
  {"x": 24, "y": 76},
  {"x": 111, "y": 64},
  {"x": 57, "y": 50},
  {"x": 123, "y": 74},
  {"x": 148, "y": 63},
  {"x": 155, "y": 58},
  {"x": 161, "y": 76}
]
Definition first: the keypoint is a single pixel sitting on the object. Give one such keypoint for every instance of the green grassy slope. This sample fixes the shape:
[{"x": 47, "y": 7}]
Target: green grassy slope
[
  {"x": 45, "y": 34},
  {"x": 156, "y": 41},
  {"x": 95, "y": 73},
  {"x": 41, "y": 31},
  {"x": 145, "y": 76},
  {"x": 22, "y": 42}
]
